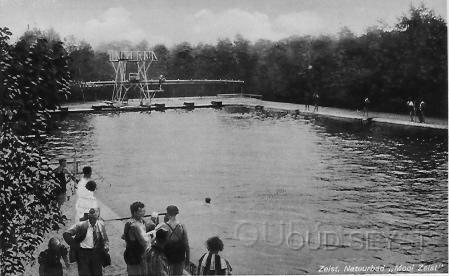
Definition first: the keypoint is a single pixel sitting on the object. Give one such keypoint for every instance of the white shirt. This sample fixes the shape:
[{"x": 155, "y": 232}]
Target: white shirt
[
  {"x": 82, "y": 183},
  {"x": 88, "y": 242},
  {"x": 86, "y": 199}
]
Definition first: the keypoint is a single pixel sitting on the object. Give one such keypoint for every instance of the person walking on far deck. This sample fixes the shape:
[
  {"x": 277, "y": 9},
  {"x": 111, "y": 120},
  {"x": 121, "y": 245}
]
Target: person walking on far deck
[
  {"x": 366, "y": 103},
  {"x": 316, "y": 97},
  {"x": 161, "y": 81},
  {"x": 155, "y": 259},
  {"x": 89, "y": 245},
  {"x": 411, "y": 109},
  {"x": 307, "y": 101},
  {"x": 137, "y": 240},
  {"x": 49, "y": 259},
  {"x": 421, "y": 107},
  {"x": 177, "y": 248},
  {"x": 211, "y": 263}
]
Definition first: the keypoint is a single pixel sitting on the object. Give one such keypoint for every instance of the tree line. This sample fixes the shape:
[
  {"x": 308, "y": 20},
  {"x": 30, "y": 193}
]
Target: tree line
[{"x": 389, "y": 65}]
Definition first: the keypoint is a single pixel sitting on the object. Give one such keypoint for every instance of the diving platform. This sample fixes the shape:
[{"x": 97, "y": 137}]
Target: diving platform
[
  {"x": 89, "y": 84},
  {"x": 133, "y": 56},
  {"x": 130, "y": 108}
]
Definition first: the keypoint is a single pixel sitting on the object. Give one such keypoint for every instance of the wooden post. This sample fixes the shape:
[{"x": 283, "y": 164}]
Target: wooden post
[
  {"x": 216, "y": 104},
  {"x": 189, "y": 105},
  {"x": 159, "y": 107}
]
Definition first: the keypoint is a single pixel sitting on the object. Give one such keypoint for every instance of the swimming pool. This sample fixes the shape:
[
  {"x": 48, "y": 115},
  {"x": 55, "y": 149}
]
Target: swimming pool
[{"x": 288, "y": 196}]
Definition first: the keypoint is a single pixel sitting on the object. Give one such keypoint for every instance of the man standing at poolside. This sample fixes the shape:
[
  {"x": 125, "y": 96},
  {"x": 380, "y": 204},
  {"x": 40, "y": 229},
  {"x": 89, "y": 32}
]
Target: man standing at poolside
[
  {"x": 411, "y": 109},
  {"x": 421, "y": 107},
  {"x": 316, "y": 97},
  {"x": 306, "y": 101},
  {"x": 60, "y": 174},
  {"x": 137, "y": 240},
  {"x": 89, "y": 244},
  {"x": 177, "y": 249},
  {"x": 161, "y": 81},
  {"x": 366, "y": 103}
]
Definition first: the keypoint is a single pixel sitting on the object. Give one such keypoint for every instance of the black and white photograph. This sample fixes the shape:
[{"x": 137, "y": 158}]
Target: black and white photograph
[{"x": 211, "y": 137}]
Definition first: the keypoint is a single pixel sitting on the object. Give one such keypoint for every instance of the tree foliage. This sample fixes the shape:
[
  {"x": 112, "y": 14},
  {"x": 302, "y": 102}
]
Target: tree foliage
[
  {"x": 388, "y": 66},
  {"x": 33, "y": 75},
  {"x": 35, "y": 80}
]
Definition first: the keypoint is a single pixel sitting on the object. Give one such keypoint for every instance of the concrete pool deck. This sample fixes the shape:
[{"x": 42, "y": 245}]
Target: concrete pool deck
[{"x": 384, "y": 122}]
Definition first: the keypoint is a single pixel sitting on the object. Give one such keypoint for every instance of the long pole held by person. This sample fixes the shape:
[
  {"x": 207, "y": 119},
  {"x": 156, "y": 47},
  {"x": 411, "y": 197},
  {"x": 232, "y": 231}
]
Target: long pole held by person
[{"x": 145, "y": 216}]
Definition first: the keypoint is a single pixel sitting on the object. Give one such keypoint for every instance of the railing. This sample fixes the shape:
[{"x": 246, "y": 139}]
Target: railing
[
  {"x": 115, "y": 56},
  {"x": 156, "y": 82}
]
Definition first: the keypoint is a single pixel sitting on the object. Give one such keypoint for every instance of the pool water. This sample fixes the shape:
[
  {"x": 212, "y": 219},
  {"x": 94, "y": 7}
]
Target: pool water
[{"x": 288, "y": 196}]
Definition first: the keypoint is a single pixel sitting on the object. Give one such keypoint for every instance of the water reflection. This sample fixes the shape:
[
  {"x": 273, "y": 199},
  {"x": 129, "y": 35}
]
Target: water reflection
[{"x": 265, "y": 170}]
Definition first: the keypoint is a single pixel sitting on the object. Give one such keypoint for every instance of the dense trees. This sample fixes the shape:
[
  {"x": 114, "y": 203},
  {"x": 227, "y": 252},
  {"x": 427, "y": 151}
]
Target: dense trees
[
  {"x": 422, "y": 64},
  {"x": 33, "y": 79},
  {"x": 408, "y": 60}
]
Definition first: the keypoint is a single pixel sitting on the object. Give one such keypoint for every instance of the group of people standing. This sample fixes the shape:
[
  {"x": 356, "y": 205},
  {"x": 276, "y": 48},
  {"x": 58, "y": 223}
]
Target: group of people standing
[
  {"x": 157, "y": 249},
  {"x": 315, "y": 99},
  {"x": 416, "y": 109},
  {"x": 87, "y": 239},
  {"x": 152, "y": 248}
]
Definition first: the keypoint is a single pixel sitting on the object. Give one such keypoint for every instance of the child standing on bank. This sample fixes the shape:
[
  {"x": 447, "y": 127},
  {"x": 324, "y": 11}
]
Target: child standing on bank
[{"x": 49, "y": 259}]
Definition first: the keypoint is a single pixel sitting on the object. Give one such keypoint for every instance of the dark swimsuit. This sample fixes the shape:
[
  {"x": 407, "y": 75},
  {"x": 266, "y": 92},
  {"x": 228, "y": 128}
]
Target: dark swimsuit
[{"x": 60, "y": 176}]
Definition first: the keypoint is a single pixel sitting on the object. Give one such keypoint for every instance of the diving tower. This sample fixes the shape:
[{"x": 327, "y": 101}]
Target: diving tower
[{"x": 131, "y": 72}]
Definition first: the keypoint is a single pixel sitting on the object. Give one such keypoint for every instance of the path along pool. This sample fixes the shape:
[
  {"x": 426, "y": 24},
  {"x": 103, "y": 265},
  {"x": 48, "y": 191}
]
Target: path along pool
[{"x": 288, "y": 195}]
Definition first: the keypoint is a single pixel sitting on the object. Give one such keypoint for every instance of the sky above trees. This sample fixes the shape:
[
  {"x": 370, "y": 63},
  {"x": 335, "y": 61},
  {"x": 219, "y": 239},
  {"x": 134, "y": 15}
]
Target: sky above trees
[{"x": 173, "y": 21}]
